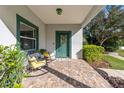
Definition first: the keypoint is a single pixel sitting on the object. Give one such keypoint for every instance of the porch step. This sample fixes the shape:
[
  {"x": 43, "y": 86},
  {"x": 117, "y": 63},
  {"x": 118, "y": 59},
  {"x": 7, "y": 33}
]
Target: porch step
[{"x": 63, "y": 59}]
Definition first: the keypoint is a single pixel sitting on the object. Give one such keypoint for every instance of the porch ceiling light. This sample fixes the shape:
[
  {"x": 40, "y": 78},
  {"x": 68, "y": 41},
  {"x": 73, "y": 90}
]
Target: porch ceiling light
[{"x": 59, "y": 11}]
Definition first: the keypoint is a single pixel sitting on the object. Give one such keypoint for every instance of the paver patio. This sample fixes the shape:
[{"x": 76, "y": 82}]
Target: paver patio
[{"x": 66, "y": 74}]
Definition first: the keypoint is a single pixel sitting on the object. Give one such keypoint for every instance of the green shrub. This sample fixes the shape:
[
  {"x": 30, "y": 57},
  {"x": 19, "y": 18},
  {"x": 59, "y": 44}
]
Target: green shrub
[
  {"x": 11, "y": 66},
  {"x": 93, "y": 53},
  {"x": 16, "y": 85}
]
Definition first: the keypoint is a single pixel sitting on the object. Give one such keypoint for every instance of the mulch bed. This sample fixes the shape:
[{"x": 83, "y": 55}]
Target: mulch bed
[
  {"x": 101, "y": 64},
  {"x": 116, "y": 82}
]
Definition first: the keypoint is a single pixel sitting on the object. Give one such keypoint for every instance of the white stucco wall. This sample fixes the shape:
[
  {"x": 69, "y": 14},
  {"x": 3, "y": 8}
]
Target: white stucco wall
[
  {"x": 76, "y": 50},
  {"x": 8, "y": 16}
]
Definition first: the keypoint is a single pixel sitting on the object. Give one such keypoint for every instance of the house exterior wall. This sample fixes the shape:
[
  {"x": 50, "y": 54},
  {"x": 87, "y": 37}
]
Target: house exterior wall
[
  {"x": 76, "y": 39},
  {"x": 8, "y": 16},
  {"x": 46, "y": 31}
]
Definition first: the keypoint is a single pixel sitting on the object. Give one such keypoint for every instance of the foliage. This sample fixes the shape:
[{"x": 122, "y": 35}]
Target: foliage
[
  {"x": 85, "y": 42},
  {"x": 11, "y": 66},
  {"x": 93, "y": 53},
  {"x": 27, "y": 74},
  {"x": 108, "y": 24},
  {"x": 16, "y": 85},
  {"x": 42, "y": 51},
  {"x": 111, "y": 44},
  {"x": 121, "y": 52},
  {"x": 121, "y": 41},
  {"x": 115, "y": 62}
]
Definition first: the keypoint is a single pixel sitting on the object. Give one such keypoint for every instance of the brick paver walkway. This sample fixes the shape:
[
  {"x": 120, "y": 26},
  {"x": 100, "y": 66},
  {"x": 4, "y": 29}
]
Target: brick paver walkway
[{"x": 66, "y": 74}]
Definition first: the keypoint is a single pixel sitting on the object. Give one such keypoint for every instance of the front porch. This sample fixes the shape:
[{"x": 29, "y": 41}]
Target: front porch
[
  {"x": 36, "y": 30},
  {"x": 66, "y": 74}
]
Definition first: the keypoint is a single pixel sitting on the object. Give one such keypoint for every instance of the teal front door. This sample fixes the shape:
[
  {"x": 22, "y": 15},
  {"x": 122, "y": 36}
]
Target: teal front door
[{"x": 63, "y": 44}]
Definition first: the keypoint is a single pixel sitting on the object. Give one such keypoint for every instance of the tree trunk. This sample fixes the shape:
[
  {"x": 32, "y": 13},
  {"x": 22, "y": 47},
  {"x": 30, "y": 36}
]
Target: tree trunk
[{"x": 101, "y": 43}]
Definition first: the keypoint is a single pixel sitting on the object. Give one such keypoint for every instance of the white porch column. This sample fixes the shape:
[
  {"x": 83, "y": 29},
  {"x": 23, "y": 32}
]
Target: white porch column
[
  {"x": 6, "y": 36},
  {"x": 77, "y": 43}
]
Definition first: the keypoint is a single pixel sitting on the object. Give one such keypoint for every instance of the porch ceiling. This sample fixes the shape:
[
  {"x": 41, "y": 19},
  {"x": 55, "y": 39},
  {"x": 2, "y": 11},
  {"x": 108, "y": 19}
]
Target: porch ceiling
[{"x": 72, "y": 14}]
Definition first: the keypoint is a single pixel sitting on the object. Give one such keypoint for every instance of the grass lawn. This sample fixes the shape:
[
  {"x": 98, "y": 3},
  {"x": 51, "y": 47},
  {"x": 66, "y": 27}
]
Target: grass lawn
[
  {"x": 121, "y": 52},
  {"x": 115, "y": 63}
]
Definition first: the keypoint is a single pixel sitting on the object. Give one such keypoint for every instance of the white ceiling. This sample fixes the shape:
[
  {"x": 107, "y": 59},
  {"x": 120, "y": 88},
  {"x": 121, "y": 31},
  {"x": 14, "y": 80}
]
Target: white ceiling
[{"x": 72, "y": 14}]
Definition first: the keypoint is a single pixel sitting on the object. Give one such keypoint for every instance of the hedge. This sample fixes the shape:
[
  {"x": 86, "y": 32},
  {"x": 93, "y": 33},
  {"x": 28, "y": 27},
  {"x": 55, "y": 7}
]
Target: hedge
[{"x": 93, "y": 53}]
